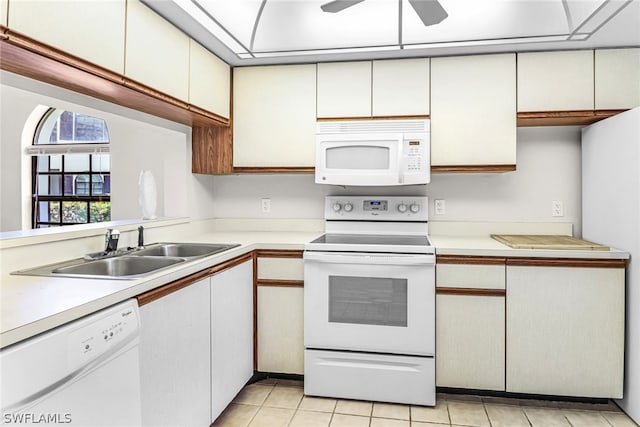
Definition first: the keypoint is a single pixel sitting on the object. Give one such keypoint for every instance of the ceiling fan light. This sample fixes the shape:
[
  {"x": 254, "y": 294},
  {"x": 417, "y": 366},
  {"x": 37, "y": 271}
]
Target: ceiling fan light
[{"x": 430, "y": 12}]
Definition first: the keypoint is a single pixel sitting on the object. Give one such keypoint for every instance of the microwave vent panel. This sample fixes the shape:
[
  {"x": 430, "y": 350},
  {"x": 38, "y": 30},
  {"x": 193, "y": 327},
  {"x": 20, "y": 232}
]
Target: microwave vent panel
[{"x": 373, "y": 126}]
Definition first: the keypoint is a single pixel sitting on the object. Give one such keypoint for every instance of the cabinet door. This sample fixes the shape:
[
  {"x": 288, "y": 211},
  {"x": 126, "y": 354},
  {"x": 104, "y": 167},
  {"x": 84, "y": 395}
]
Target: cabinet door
[
  {"x": 280, "y": 329},
  {"x": 555, "y": 81},
  {"x": 280, "y": 315},
  {"x": 617, "y": 76},
  {"x": 209, "y": 81},
  {"x": 157, "y": 53},
  {"x": 274, "y": 120},
  {"x": 401, "y": 87},
  {"x": 344, "y": 89},
  {"x": 231, "y": 334},
  {"x": 175, "y": 358},
  {"x": 470, "y": 348},
  {"x": 473, "y": 110},
  {"x": 91, "y": 30},
  {"x": 470, "y": 327},
  {"x": 565, "y": 331}
]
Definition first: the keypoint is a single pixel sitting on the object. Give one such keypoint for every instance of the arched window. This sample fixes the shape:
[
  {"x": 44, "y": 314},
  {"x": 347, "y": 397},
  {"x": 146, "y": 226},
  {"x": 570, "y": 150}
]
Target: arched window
[{"x": 71, "y": 170}]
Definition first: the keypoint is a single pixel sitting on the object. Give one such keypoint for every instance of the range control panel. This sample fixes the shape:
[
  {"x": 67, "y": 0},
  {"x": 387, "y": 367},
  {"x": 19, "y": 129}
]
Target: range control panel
[{"x": 374, "y": 208}]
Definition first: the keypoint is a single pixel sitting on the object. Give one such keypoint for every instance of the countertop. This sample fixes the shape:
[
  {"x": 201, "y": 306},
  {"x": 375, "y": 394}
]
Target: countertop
[{"x": 31, "y": 305}]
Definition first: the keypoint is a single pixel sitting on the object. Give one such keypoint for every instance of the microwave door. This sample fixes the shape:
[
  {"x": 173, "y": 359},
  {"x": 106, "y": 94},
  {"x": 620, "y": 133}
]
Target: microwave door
[{"x": 358, "y": 159}]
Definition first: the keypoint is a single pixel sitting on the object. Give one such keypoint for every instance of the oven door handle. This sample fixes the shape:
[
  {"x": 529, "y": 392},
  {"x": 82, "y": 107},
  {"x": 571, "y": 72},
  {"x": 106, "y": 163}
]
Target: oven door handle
[{"x": 370, "y": 258}]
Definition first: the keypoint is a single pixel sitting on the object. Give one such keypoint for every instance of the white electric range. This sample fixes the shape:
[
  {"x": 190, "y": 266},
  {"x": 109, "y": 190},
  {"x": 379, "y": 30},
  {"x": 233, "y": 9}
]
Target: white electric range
[{"x": 369, "y": 302}]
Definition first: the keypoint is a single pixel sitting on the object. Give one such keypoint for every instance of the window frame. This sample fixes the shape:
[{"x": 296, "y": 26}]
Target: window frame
[{"x": 87, "y": 200}]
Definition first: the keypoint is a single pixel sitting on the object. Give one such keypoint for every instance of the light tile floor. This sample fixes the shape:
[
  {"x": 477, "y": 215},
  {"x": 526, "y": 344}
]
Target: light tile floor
[{"x": 275, "y": 403}]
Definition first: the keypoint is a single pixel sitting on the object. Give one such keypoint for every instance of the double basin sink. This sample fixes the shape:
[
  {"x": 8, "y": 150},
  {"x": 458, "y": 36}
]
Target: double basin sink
[{"x": 132, "y": 263}]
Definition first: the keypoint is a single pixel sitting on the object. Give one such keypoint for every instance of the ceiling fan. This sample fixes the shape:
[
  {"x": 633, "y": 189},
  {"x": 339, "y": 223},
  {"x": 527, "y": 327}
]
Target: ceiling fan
[{"x": 430, "y": 12}]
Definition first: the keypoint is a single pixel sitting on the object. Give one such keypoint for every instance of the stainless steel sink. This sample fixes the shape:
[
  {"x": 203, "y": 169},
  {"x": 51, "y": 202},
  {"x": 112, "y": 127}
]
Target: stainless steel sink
[
  {"x": 183, "y": 250},
  {"x": 129, "y": 263},
  {"x": 123, "y": 266}
]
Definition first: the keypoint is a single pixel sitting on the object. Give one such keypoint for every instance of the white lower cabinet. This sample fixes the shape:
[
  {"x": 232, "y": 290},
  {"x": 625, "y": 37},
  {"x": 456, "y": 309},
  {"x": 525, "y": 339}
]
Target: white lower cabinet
[
  {"x": 231, "y": 334},
  {"x": 470, "y": 348},
  {"x": 280, "y": 329},
  {"x": 565, "y": 331},
  {"x": 175, "y": 358},
  {"x": 470, "y": 323}
]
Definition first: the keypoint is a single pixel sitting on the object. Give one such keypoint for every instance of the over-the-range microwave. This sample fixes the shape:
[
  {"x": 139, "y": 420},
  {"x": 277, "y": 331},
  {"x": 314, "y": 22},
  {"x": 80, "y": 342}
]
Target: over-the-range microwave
[{"x": 373, "y": 152}]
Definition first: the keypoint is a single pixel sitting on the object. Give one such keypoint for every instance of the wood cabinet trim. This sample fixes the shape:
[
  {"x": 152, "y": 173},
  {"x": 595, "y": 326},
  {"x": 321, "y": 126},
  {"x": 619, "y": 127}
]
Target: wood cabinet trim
[
  {"x": 273, "y": 169},
  {"x": 471, "y": 291},
  {"x": 31, "y": 58},
  {"x": 335, "y": 119},
  {"x": 474, "y": 260},
  {"x": 281, "y": 283},
  {"x": 279, "y": 253},
  {"x": 169, "y": 288},
  {"x": 211, "y": 150},
  {"x": 563, "y": 118},
  {"x": 472, "y": 168},
  {"x": 567, "y": 262}
]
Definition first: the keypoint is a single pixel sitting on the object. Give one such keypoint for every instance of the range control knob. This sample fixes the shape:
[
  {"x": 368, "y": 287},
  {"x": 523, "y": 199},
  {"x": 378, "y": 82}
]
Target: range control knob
[
  {"x": 402, "y": 208},
  {"x": 348, "y": 207},
  {"x": 337, "y": 207},
  {"x": 415, "y": 208}
]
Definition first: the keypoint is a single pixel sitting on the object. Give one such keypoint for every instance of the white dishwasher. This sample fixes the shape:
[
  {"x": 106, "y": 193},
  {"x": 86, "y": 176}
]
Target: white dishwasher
[{"x": 84, "y": 373}]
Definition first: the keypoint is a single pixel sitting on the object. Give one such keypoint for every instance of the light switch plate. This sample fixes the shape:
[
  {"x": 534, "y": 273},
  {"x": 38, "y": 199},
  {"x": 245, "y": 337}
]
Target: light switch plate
[{"x": 440, "y": 207}]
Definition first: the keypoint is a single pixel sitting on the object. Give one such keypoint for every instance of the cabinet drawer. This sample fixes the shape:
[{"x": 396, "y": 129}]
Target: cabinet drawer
[
  {"x": 280, "y": 268},
  {"x": 470, "y": 276}
]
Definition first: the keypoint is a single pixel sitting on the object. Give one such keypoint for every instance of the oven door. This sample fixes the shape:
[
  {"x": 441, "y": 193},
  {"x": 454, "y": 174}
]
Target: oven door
[{"x": 382, "y": 303}]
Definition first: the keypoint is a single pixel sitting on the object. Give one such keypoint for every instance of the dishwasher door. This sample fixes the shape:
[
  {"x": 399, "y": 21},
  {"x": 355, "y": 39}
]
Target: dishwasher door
[{"x": 85, "y": 373}]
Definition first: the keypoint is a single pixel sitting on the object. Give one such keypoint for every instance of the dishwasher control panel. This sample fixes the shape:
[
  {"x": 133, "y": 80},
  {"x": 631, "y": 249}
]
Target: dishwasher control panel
[{"x": 109, "y": 330}]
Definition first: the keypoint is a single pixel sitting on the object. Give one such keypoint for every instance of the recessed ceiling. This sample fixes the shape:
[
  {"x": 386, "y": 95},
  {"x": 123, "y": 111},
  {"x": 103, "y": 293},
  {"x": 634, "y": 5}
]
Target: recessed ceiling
[{"x": 247, "y": 32}]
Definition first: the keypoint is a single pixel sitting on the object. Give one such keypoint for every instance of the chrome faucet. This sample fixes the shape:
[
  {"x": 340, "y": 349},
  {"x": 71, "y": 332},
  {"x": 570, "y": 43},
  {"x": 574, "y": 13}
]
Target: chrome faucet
[{"x": 111, "y": 240}]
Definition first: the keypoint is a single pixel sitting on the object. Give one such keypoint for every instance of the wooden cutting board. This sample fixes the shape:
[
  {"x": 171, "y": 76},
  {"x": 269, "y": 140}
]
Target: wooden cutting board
[{"x": 543, "y": 241}]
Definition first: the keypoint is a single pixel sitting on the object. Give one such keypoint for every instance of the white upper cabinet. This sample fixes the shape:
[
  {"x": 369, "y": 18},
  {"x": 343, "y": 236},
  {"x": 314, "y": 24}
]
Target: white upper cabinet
[
  {"x": 4, "y": 6},
  {"x": 617, "y": 76},
  {"x": 209, "y": 81},
  {"x": 157, "y": 53},
  {"x": 91, "y": 30},
  {"x": 473, "y": 110},
  {"x": 344, "y": 89},
  {"x": 555, "y": 81},
  {"x": 274, "y": 119},
  {"x": 400, "y": 87}
]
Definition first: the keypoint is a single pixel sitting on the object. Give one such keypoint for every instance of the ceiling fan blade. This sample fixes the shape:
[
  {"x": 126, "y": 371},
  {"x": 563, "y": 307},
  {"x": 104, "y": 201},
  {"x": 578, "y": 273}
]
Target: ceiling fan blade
[
  {"x": 430, "y": 12},
  {"x": 338, "y": 5}
]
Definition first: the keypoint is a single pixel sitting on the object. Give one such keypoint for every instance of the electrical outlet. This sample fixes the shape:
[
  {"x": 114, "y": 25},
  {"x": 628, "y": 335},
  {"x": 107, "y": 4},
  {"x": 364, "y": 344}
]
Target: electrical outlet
[
  {"x": 266, "y": 205},
  {"x": 440, "y": 206},
  {"x": 557, "y": 208}
]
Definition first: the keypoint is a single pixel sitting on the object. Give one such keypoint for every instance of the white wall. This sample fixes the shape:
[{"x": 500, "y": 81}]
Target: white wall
[
  {"x": 138, "y": 141},
  {"x": 548, "y": 169}
]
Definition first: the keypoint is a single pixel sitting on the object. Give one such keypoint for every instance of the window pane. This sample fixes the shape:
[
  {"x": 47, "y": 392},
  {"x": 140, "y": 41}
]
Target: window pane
[
  {"x": 76, "y": 163},
  {"x": 50, "y": 185},
  {"x": 97, "y": 185},
  {"x": 66, "y": 126},
  {"x": 90, "y": 129},
  {"x": 49, "y": 163},
  {"x": 100, "y": 211},
  {"x": 82, "y": 185},
  {"x": 48, "y": 211},
  {"x": 100, "y": 162},
  {"x": 74, "y": 212}
]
